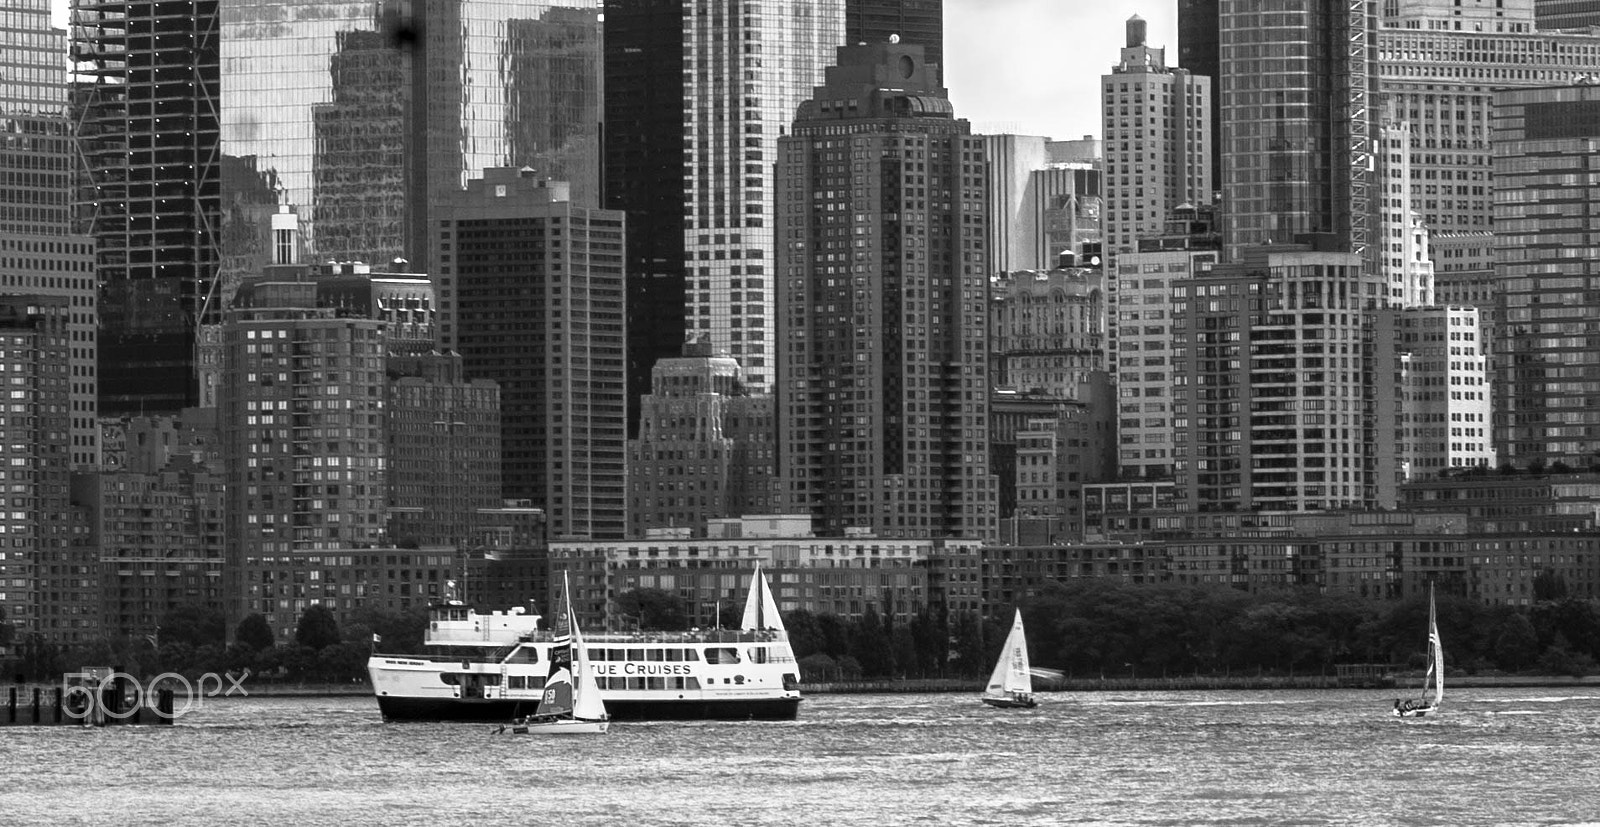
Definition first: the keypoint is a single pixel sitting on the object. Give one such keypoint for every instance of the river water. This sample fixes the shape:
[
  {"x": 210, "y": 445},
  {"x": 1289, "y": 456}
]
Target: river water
[{"x": 1493, "y": 757}]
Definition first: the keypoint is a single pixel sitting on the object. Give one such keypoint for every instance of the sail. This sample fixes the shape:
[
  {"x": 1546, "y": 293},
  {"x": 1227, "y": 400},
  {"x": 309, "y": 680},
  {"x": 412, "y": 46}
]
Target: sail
[
  {"x": 1435, "y": 651},
  {"x": 586, "y": 700},
  {"x": 557, "y": 698},
  {"x": 760, "y": 608},
  {"x": 1011, "y": 672}
]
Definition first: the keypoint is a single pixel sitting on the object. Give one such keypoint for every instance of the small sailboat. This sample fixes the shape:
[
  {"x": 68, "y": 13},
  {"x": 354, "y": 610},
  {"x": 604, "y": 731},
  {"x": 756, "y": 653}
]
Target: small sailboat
[
  {"x": 1011, "y": 685},
  {"x": 1434, "y": 679},
  {"x": 571, "y": 703}
]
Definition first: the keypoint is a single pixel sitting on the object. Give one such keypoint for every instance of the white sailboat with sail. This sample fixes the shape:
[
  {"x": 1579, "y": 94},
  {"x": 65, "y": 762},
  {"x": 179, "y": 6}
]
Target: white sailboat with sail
[
  {"x": 571, "y": 703},
  {"x": 1011, "y": 684},
  {"x": 1434, "y": 679}
]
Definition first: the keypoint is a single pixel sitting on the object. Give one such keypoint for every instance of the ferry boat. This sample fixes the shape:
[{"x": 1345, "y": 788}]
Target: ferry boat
[{"x": 492, "y": 667}]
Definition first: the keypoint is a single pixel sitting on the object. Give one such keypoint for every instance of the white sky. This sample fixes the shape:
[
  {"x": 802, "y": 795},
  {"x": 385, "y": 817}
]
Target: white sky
[
  {"x": 1030, "y": 67},
  {"x": 1033, "y": 67}
]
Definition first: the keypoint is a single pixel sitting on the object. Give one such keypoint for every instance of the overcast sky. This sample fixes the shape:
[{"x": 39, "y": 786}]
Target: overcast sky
[
  {"x": 1033, "y": 67},
  {"x": 1030, "y": 67}
]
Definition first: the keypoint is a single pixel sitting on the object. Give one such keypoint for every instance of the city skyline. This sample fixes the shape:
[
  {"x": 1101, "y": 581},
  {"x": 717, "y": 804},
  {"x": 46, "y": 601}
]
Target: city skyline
[{"x": 1027, "y": 37}]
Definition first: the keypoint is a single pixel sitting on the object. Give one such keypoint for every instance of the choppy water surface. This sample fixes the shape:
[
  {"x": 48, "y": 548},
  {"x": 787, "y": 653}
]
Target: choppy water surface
[{"x": 1499, "y": 757}]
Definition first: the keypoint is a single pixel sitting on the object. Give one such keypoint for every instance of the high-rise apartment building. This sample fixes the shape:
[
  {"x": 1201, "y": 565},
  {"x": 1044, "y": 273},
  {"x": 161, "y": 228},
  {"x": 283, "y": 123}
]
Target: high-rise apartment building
[
  {"x": 40, "y": 254},
  {"x": 1271, "y": 411},
  {"x": 710, "y": 86},
  {"x": 1147, "y": 378},
  {"x": 161, "y": 516},
  {"x": 1547, "y": 354},
  {"x": 49, "y": 585},
  {"x": 705, "y": 449},
  {"x": 883, "y": 379},
  {"x": 146, "y": 100},
  {"x": 1445, "y": 403},
  {"x": 531, "y": 293},
  {"x": 444, "y": 450},
  {"x": 1296, "y": 127},
  {"x": 1158, "y": 132}
]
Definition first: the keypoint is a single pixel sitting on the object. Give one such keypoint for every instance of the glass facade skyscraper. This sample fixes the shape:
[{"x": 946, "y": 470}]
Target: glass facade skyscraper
[
  {"x": 1296, "y": 121},
  {"x": 359, "y": 116},
  {"x": 145, "y": 98}
]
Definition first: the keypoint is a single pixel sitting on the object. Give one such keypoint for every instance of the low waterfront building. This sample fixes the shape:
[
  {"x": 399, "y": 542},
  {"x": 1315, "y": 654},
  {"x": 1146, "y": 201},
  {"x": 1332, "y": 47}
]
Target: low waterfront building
[{"x": 843, "y": 576}]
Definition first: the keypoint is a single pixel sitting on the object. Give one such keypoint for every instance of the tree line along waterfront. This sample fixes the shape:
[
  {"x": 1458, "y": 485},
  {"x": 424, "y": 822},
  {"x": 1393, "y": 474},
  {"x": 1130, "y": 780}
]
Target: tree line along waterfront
[{"x": 1083, "y": 628}]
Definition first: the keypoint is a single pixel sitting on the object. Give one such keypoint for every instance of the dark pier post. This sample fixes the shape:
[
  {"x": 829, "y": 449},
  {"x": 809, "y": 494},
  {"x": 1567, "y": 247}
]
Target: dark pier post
[
  {"x": 37, "y": 718},
  {"x": 60, "y": 701},
  {"x": 164, "y": 707},
  {"x": 11, "y": 707}
]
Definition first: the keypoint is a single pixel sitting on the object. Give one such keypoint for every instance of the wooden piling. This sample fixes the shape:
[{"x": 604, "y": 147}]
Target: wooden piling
[
  {"x": 11, "y": 707},
  {"x": 36, "y": 716},
  {"x": 164, "y": 706}
]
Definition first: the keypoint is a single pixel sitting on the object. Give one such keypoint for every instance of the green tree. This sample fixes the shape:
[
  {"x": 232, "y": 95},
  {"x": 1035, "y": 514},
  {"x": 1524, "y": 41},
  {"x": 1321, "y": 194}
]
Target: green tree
[
  {"x": 654, "y": 609},
  {"x": 872, "y": 646},
  {"x": 193, "y": 623},
  {"x": 317, "y": 628},
  {"x": 805, "y": 635},
  {"x": 6, "y": 630},
  {"x": 1547, "y": 585},
  {"x": 818, "y": 667},
  {"x": 254, "y": 632}
]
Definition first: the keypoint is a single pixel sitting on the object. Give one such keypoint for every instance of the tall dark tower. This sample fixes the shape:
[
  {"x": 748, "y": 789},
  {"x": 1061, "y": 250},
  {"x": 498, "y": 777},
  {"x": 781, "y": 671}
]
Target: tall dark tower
[
  {"x": 882, "y": 302},
  {"x": 917, "y": 22},
  {"x": 1199, "y": 53},
  {"x": 643, "y": 171},
  {"x": 146, "y": 98}
]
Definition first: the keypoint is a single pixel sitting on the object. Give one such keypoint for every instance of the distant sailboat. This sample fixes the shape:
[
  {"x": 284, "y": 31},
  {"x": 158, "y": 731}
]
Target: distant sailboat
[
  {"x": 1011, "y": 685},
  {"x": 1434, "y": 679},
  {"x": 571, "y": 703}
]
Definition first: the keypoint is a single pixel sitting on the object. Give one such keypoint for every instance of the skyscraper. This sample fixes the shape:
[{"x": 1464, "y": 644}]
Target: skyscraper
[
  {"x": 916, "y": 22},
  {"x": 146, "y": 98},
  {"x": 1278, "y": 411},
  {"x": 699, "y": 410},
  {"x": 40, "y": 254},
  {"x": 531, "y": 291},
  {"x": 883, "y": 377},
  {"x": 1296, "y": 122},
  {"x": 1158, "y": 133},
  {"x": 360, "y": 117},
  {"x": 48, "y": 584},
  {"x": 718, "y": 84},
  {"x": 1547, "y": 357}
]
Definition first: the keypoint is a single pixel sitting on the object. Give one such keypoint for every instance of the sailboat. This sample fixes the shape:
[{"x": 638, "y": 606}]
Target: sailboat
[
  {"x": 1434, "y": 679},
  {"x": 1011, "y": 685},
  {"x": 571, "y": 703}
]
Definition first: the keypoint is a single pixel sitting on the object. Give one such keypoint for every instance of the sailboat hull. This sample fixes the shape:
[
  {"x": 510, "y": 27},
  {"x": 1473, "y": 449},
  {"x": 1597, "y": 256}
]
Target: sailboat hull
[
  {"x": 566, "y": 727},
  {"x": 1010, "y": 703},
  {"x": 1417, "y": 712}
]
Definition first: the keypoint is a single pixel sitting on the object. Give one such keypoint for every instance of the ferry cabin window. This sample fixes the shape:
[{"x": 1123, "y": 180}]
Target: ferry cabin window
[
  {"x": 635, "y": 654},
  {"x": 654, "y": 683},
  {"x": 516, "y": 682},
  {"x": 718, "y": 654}
]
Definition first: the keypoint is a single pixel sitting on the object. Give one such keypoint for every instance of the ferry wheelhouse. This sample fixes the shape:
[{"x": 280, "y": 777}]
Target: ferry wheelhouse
[{"x": 492, "y": 667}]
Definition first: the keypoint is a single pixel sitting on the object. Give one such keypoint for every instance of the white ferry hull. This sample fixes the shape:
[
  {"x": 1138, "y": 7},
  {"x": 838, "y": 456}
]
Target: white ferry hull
[
  {"x": 412, "y": 689},
  {"x": 665, "y": 709}
]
